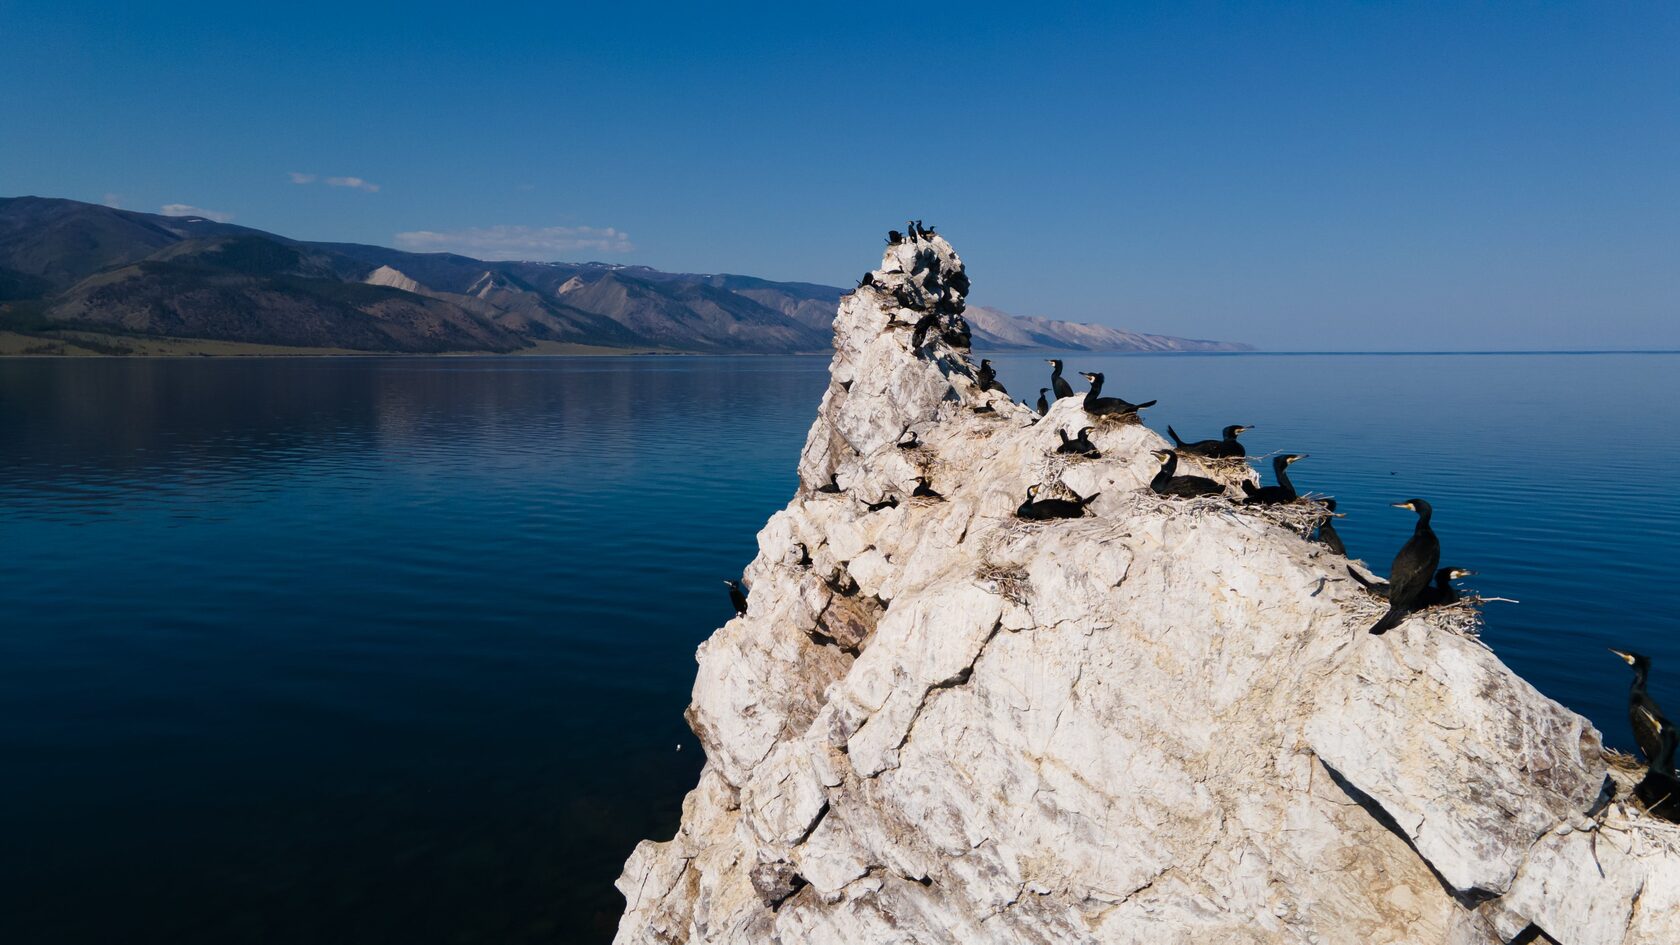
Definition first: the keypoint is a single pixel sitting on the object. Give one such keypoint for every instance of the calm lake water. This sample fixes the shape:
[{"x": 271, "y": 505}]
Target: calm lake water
[{"x": 396, "y": 651}]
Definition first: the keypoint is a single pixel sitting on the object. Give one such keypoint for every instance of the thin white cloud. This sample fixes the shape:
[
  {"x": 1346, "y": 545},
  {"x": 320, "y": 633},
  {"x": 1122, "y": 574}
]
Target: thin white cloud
[
  {"x": 298, "y": 178},
  {"x": 518, "y": 242},
  {"x": 183, "y": 210},
  {"x": 114, "y": 201},
  {"x": 355, "y": 182}
]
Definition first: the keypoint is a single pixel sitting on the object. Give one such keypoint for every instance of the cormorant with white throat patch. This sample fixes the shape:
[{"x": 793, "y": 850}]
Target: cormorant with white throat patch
[
  {"x": 1228, "y": 446},
  {"x": 1644, "y": 714},
  {"x": 1099, "y": 406},
  {"x": 1058, "y": 383},
  {"x": 1408, "y": 576},
  {"x": 1043, "y": 509},
  {"x": 1166, "y": 482},
  {"x": 737, "y": 598},
  {"x": 1279, "y": 494}
]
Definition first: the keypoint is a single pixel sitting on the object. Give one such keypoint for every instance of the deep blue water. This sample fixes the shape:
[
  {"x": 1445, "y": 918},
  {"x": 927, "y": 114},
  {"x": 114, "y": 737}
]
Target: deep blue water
[{"x": 384, "y": 650}]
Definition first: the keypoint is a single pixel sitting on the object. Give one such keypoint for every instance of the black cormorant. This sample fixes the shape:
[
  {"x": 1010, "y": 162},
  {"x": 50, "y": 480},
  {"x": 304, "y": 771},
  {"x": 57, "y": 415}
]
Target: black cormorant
[
  {"x": 1659, "y": 790},
  {"x": 1408, "y": 576},
  {"x": 1053, "y": 508},
  {"x": 737, "y": 598},
  {"x": 1058, "y": 383},
  {"x": 1185, "y": 487},
  {"x": 985, "y": 408},
  {"x": 833, "y": 485},
  {"x": 1043, "y": 405},
  {"x": 924, "y": 489},
  {"x": 1327, "y": 534},
  {"x": 1080, "y": 445},
  {"x": 894, "y": 237},
  {"x": 867, "y": 280},
  {"x": 804, "y": 555},
  {"x": 1100, "y": 406},
  {"x": 910, "y": 230},
  {"x": 987, "y": 376},
  {"x": 1213, "y": 448},
  {"x": 924, "y": 325},
  {"x": 910, "y": 444},
  {"x": 890, "y": 502},
  {"x": 1283, "y": 492},
  {"x": 1644, "y": 715}
]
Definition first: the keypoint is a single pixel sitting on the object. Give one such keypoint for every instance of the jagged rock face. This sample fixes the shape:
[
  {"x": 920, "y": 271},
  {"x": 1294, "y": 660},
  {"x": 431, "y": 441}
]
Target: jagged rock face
[{"x": 1162, "y": 722}]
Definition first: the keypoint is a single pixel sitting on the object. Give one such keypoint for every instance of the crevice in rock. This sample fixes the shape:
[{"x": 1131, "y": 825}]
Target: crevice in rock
[
  {"x": 961, "y": 677},
  {"x": 815, "y": 823},
  {"x": 1531, "y": 934},
  {"x": 1469, "y": 899}
]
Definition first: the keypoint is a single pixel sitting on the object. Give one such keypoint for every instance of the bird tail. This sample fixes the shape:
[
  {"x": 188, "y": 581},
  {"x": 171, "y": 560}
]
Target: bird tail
[
  {"x": 1390, "y": 620},
  {"x": 1172, "y": 433},
  {"x": 1087, "y": 500},
  {"x": 1363, "y": 581},
  {"x": 1147, "y": 403},
  {"x": 1248, "y": 487}
]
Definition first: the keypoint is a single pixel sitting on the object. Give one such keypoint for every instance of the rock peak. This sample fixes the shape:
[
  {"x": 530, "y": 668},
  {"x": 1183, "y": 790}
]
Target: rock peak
[{"x": 1161, "y": 722}]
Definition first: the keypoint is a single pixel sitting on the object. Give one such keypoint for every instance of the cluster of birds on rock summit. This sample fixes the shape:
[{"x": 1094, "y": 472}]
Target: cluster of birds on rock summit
[{"x": 1417, "y": 580}]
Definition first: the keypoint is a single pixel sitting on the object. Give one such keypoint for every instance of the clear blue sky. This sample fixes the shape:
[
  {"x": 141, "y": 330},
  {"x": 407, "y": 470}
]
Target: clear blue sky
[{"x": 1301, "y": 176}]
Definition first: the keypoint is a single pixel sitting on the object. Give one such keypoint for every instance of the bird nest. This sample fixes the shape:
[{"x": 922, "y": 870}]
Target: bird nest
[
  {"x": 1301, "y": 516},
  {"x": 1009, "y": 581},
  {"x": 1118, "y": 419}
]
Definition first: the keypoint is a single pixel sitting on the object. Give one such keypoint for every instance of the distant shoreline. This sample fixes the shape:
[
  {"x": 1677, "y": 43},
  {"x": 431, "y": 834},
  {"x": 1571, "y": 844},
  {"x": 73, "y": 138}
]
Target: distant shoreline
[{"x": 15, "y": 345}]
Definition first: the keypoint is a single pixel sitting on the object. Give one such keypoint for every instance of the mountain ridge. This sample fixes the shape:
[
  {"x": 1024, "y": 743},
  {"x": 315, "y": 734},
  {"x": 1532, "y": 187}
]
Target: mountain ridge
[{"x": 68, "y": 266}]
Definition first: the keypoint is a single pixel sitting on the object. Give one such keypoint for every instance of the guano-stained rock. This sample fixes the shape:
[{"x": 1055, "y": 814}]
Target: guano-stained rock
[{"x": 1160, "y": 723}]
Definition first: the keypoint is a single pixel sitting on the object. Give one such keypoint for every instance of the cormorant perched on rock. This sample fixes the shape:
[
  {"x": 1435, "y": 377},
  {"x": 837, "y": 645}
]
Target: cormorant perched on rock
[
  {"x": 1043, "y": 405},
  {"x": 1659, "y": 790},
  {"x": 894, "y": 237},
  {"x": 985, "y": 408},
  {"x": 867, "y": 280},
  {"x": 924, "y": 325},
  {"x": 1409, "y": 576},
  {"x": 1053, "y": 508},
  {"x": 833, "y": 485},
  {"x": 890, "y": 502},
  {"x": 924, "y": 489},
  {"x": 1283, "y": 492},
  {"x": 1213, "y": 448},
  {"x": 987, "y": 376},
  {"x": 1100, "y": 406},
  {"x": 1644, "y": 714},
  {"x": 737, "y": 598},
  {"x": 910, "y": 444},
  {"x": 1080, "y": 445},
  {"x": 1184, "y": 487},
  {"x": 1327, "y": 534},
  {"x": 927, "y": 231},
  {"x": 804, "y": 555},
  {"x": 1440, "y": 592},
  {"x": 1058, "y": 383},
  {"x": 910, "y": 230}
]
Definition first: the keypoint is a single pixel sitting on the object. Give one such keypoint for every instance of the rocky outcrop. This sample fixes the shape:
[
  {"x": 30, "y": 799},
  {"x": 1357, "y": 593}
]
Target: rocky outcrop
[{"x": 1163, "y": 722}]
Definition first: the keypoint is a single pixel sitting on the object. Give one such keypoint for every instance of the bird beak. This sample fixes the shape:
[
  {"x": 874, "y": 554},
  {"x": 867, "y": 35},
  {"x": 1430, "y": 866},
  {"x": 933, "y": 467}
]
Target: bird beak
[
  {"x": 1628, "y": 657},
  {"x": 1463, "y": 573},
  {"x": 1403, "y": 505}
]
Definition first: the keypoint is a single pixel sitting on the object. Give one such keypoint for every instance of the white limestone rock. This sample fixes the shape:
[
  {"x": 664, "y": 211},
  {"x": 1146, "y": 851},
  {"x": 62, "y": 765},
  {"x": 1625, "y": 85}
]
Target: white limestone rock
[{"x": 1161, "y": 723}]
